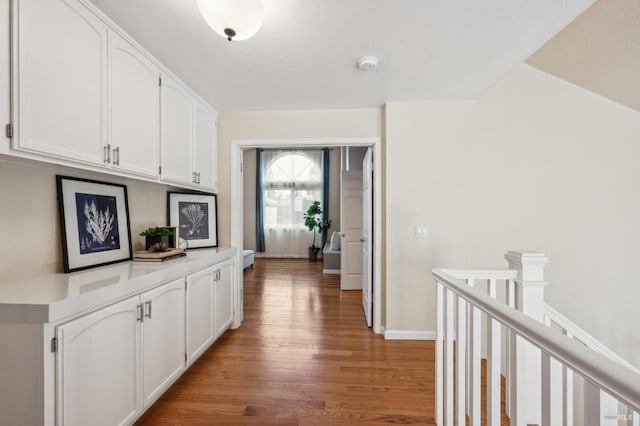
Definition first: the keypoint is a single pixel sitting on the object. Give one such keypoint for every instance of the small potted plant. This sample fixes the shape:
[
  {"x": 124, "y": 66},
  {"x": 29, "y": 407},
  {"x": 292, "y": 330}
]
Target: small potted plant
[
  {"x": 157, "y": 238},
  {"x": 315, "y": 221}
]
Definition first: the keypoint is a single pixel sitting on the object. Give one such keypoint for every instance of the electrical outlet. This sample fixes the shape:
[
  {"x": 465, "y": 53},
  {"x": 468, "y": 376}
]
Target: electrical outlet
[{"x": 422, "y": 231}]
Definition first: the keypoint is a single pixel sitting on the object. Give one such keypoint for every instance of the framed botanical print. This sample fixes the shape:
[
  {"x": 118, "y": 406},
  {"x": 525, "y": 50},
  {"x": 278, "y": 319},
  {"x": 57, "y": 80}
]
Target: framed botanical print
[
  {"x": 94, "y": 220},
  {"x": 196, "y": 217}
]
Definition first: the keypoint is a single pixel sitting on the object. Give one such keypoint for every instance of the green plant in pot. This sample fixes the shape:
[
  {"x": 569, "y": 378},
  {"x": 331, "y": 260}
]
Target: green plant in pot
[
  {"x": 157, "y": 238},
  {"x": 315, "y": 222}
]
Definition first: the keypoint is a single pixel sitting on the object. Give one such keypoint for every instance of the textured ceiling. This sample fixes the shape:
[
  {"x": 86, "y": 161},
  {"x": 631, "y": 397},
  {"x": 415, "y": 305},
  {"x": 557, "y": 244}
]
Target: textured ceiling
[
  {"x": 599, "y": 51},
  {"x": 304, "y": 55}
]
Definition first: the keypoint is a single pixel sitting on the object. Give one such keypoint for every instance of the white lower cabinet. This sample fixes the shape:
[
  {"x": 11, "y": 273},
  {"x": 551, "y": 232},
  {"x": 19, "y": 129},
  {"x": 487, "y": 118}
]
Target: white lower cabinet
[
  {"x": 209, "y": 307},
  {"x": 109, "y": 342},
  {"x": 224, "y": 297},
  {"x": 114, "y": 363},
  {"x": 200, "y": 312},
  {"x": 163, "y": 339},
  {"x": 98, "y": 367}
]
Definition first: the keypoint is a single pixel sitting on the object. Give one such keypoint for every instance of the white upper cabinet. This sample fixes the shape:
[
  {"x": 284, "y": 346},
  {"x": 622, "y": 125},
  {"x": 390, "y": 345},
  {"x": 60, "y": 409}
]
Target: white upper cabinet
[
  {"x": 134, "y": 109},
  {"x": 61, "y": 83},
  {"x": 205, "y": 146},
  {"x": 189, "y": 138},
  {"x": 86, "y": 95},
  {"x": 177, "y": 132}
]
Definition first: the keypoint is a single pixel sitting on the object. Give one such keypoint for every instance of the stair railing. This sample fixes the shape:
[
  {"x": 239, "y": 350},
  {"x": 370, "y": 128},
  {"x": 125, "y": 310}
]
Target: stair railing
[{"x": 539, "y": 362}]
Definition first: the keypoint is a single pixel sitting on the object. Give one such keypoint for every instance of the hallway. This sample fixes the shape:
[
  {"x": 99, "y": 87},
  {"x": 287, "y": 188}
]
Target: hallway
[{"x": 303, "y": 356}]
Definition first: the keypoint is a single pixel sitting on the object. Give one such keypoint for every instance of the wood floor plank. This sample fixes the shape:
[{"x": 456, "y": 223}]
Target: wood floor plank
[{"x": 303, "y": 356}]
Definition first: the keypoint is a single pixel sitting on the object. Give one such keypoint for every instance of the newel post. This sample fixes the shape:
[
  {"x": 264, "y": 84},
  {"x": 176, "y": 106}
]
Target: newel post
[
  {"x": 530, "y": 282},
  {"x": 525, "y": 366}
]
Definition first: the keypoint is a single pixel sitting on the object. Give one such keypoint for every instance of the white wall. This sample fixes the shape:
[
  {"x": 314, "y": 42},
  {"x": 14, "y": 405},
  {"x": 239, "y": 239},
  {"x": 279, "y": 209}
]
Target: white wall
[
  {"x": 536, "y": 163},
  {"x": 30, "y": 225}
]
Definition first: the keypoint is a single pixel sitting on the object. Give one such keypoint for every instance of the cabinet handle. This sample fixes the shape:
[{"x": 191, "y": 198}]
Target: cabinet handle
[
  {"x": 140, "y": 310},
  {"x": 116, "y": 156},
  {"x": 198, "y": 174},
  {"x": 148, "y": 314},
  {"x": 193, "y": 177},
  {"x": 107, "y": 153}
]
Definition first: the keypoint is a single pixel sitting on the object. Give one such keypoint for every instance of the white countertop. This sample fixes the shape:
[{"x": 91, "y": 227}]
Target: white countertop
[{"x": 59, "y": 297}]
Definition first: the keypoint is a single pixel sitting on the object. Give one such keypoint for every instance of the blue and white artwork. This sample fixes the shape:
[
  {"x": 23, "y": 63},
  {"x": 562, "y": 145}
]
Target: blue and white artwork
[
  {"x": 97, "y": 223},
  {"x": 193, "y": 220}
]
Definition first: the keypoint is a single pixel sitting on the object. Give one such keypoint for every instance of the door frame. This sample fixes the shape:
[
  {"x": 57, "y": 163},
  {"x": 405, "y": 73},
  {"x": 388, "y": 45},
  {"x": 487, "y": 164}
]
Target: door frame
[{"x": 237, "y": 200}]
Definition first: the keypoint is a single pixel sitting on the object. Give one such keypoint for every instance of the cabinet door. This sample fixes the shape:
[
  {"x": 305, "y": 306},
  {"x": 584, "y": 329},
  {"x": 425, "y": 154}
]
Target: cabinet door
[
  {"x": 98, "y": 367},
  {"x": 200, "y": 313},
  {"x": 61, "y": 80},
  {"x": 224, "y": 298},
  {"x": 176, "y": 121},
  {"x": 205, "y": 145},
  {"x": 163, "y": 339},
  {"x": 134, "y": 135}
]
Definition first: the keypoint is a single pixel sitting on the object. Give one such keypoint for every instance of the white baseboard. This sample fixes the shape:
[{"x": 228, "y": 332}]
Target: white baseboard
[
  {"x": 264, "y": 255},
  {"x": 409, "y": 335},
  {"x": 331, "y": 271}
]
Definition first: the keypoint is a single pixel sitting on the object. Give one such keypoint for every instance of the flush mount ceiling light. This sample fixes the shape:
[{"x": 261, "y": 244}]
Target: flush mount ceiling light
[{"x": 233, "y": 19}]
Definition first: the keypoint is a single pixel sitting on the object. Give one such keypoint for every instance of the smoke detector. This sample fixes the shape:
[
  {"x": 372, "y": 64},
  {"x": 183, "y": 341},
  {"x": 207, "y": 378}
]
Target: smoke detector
[{"x": 368, "y": 63}]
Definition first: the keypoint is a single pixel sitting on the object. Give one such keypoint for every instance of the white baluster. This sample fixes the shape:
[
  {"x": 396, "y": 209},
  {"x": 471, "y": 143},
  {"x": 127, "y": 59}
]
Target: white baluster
[
  {"x": 530, "y": 286},
  {"x": 439, "y": 349},
  {"x": 474, "y": 376},
  {"x": 591, "y": 404},
  {"x": 493, "y": 366},
  {"x": 514, "y": 415},
  {"x": 448, "y": 362},
  {"x": 511, "y": 301},
  {"x": 556, "y": 392},
  {"x": 546, "y": 389},
  {"x": 609, "y": 407},
  {"x": 552, "y": 387},
  {"x": 461, "y": 363},
  {"x": 567, "y": 388},
  {"x": 469, "y": 390}
]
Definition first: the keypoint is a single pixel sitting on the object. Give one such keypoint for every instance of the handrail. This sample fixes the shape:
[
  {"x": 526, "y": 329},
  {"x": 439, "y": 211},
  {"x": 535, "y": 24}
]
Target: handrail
[
  {"x": 483, "y": 274},
  {"x": 610, "y": 376},
  {"x": 582, "y": 336}
]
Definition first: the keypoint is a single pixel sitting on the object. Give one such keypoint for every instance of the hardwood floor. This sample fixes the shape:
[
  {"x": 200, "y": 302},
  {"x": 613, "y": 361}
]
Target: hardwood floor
[{"x": 303, "y": 356}]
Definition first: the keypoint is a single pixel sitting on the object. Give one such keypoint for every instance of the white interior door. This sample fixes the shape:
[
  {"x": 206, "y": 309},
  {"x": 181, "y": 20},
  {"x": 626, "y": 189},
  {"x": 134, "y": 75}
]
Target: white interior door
[
  {"x": 351, "y": 223},
  {"x": 367, "y": 234}
]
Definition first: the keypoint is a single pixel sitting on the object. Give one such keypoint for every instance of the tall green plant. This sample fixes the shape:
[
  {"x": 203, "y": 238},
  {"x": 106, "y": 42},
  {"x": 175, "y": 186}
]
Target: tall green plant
[{"x": 315, "y": 221}]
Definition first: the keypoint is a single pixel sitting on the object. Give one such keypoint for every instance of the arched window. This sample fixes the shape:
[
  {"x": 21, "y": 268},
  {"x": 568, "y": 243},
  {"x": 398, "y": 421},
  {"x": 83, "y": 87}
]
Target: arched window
[{"x": 291, "y": 181}]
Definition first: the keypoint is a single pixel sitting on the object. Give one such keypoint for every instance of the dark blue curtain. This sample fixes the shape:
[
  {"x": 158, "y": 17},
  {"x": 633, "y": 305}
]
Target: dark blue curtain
[
  {"x": 260, "y": 246},
  {"x": 325, "y": 190}
]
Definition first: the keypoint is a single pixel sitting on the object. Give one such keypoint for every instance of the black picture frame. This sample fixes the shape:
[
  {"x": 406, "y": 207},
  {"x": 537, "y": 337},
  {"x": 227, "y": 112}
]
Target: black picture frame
[
  {"x": 94, "y": 222},
  {"x": 196, "y": 217}
]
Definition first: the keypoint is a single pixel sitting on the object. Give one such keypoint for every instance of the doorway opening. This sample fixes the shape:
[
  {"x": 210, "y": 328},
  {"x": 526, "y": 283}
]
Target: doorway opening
[{"x": 238, "y": 202}]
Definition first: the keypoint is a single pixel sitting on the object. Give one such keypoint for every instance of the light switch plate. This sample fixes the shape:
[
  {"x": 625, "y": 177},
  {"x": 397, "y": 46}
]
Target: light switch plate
[{"x": 422, "y": 231}]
